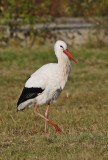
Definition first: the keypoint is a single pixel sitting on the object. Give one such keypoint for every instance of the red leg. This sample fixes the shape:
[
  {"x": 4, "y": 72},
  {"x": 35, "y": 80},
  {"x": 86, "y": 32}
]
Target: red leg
[
  {"x": 46, "y": 116},
  {"x": 46, "y": 119}
]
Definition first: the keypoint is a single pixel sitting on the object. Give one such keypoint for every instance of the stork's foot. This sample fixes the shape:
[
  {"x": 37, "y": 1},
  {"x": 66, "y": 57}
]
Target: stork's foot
[{"x": 57, "y": 128}]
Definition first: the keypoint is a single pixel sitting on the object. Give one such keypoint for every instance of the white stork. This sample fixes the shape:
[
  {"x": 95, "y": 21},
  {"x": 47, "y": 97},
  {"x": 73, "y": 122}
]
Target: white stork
[{"x": 46, "y": 84}]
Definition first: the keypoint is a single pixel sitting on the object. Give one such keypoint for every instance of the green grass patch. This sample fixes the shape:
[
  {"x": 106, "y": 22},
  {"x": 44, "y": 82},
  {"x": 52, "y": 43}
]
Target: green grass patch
[{"x": 83, "y": 115}]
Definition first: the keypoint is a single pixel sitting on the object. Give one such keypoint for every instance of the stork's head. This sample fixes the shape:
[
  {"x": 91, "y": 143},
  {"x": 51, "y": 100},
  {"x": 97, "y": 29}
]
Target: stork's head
[{"x": 60, "y": 49}]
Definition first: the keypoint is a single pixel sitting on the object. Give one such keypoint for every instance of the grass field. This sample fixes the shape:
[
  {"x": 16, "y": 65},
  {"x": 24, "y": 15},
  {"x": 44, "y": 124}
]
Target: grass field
[{"x": 83, "y": 116}]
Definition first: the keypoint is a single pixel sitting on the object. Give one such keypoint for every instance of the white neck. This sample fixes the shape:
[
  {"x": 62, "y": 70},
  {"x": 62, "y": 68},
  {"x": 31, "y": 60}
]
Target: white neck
[{"x": 64, "y": 68}]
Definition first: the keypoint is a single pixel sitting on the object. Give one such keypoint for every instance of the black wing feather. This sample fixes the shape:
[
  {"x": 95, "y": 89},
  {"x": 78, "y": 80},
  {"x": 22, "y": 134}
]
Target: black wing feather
[{"x": 29, "y": 93}]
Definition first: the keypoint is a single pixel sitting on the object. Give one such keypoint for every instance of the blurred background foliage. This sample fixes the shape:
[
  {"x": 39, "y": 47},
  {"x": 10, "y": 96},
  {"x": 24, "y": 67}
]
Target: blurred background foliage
[
  {"x": 18, "y": 18},
  {"x": 33, "y": 11}
]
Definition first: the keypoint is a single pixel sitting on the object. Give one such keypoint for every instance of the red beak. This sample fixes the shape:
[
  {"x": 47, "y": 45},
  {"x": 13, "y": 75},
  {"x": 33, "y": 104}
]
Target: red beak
[{"x": 70, "y": 55}]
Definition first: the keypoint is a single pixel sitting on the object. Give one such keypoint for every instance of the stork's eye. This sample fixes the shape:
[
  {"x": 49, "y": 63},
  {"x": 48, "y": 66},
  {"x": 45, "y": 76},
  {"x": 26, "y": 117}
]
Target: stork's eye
[{"x": 61, "y": 46}]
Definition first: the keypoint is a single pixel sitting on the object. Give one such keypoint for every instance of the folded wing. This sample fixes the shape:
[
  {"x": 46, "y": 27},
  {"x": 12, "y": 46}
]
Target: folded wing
[{"x": 29, "y": 93}]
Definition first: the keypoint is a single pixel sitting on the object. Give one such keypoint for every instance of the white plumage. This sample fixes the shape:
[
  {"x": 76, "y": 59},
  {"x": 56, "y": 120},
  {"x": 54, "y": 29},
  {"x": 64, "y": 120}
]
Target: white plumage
[{"x": 47, "y": 82}]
